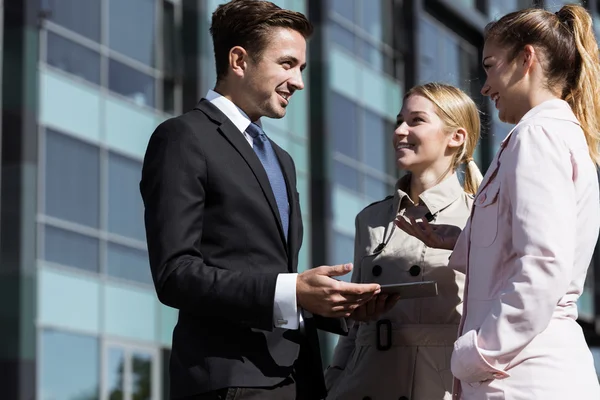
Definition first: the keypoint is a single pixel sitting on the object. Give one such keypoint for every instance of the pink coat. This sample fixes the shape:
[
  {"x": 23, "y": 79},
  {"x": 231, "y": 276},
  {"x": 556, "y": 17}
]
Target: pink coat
[{"x": 527, "y": 248}]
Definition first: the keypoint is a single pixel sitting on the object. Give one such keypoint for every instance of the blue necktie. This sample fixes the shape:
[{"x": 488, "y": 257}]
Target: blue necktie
[{"x": 268, "y": 158}]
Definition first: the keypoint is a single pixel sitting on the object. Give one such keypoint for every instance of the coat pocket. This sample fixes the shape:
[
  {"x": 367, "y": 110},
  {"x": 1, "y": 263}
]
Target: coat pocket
[{"x": 484, "y": 223}]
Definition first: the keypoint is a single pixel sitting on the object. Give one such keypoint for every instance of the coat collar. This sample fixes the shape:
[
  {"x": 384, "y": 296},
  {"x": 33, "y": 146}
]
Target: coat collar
[
  {"x": 435, "y": 199},
  {"x": 553, "y": 109}
]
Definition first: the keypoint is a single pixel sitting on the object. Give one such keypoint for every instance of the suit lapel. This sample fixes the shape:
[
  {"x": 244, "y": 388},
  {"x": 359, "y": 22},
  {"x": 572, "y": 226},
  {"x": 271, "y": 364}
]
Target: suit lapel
[{"x": 237, "y": 140}]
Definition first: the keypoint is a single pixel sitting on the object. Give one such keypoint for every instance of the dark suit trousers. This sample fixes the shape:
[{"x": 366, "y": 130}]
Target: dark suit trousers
[{"x": 286, "y": 390}]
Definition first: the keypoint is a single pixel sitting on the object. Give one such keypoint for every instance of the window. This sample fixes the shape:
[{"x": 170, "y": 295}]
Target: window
[
  {"x": 343, "y": 251},
  {"x": 131, "y": 83},
  {"x": 82, "y": 17},
  {"x": 125, "y": 208},
  {"x": 139, "y": 61},
  {"x": 73, "y": 58},
  {"x": 128, "y": 263},
  {"x": 136, "y": 40},
  {"x": 72, "y": 179},
  {"x": 343, "y": 125},
  {"x": 132, "y": 372},
  {"x": 346, "y": 176},
  {"x": 69, "y": 366},
  {"x": 345, "y": 8},
  {"x": 71, "y": 249},
  {"x": 376, "y": 141}
]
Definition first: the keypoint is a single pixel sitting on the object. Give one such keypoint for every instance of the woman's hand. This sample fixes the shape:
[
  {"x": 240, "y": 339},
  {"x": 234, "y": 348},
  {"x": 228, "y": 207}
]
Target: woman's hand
[{"x": 434, "y": 236}]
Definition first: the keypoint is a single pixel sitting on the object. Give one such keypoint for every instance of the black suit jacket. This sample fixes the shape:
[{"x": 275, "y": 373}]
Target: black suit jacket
[{"x": 216, "y": 246}]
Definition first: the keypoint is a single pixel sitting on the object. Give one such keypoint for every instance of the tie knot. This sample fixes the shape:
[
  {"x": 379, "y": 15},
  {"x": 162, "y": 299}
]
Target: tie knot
[{"x": 254, "y": 130}]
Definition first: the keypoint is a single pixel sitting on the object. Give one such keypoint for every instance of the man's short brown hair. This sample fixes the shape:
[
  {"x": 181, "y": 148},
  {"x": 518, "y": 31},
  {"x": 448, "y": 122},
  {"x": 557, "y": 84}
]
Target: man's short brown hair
[{"x": 248, "y": 23}]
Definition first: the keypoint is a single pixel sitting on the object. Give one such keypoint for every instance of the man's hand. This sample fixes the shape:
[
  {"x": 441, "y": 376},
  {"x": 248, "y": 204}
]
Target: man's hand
[
  {"x": 318, "y": 292},
  {"x": 434, "y": 236},
  {"x": 375, "y": 308}
]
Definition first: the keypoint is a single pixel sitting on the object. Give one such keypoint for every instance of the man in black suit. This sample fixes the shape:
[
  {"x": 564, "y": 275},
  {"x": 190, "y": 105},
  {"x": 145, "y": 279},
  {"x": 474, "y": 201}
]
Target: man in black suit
[{"x": 224, "y": 228}]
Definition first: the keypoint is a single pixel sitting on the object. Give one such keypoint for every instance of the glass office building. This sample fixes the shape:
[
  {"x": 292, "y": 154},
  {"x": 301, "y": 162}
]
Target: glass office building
[{"x": 84, "y": 84}]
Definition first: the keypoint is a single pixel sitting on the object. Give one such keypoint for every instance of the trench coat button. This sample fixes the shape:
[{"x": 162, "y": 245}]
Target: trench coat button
[
  {"x": 376, "y": 270},
  {"x": 415, "y": 270}
]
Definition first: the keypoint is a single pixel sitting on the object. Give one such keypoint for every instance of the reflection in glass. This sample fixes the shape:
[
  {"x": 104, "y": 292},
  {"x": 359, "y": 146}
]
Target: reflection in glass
[
  {"x": 70, "y": 249},
  {"x": 69, "y": 369},
  {"x": 115, "y": 373},
  {"x": 125, "y": 208},
  {"x": 375, "y": 189},
  {"x": 128, "y": 263},
  {"x": 141, "y": 382},
  {"x": 136, "y": 40},
  {"x": 72, "y": 179},
  {"x": 345, "y": 176},
  {"x": 343, "y": 252},
  {"x": 73, "y": 58},
  {"x": 345, "y": 8},
  {"x": 79, "y": 16},
  {"x": 375, "y": 141},
  {"x": 372, "y": 17},
  {"x": 343, "y": 125},
  {"x": 342, "y": 36},
  {"x": 131, "y": 83}
]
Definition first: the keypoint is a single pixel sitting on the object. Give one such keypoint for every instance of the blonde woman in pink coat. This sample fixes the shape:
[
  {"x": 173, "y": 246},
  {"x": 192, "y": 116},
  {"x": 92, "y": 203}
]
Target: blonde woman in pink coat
[{"x": 535, "y": 219}]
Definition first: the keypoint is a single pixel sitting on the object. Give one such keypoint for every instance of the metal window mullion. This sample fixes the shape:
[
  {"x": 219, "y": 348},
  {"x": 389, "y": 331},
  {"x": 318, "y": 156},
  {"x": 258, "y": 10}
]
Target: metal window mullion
[{"x": 71, "y": 35}]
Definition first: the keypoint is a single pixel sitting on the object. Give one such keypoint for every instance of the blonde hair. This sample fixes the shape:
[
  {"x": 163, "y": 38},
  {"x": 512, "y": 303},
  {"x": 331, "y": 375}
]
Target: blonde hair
[
  {"x": 571, "y": 61},
  {"x": 456, "y": 110}
]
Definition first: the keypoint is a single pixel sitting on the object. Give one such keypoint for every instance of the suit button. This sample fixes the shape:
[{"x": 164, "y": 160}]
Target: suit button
[
  {"x": 366, "y": 398},
  {"x": 415, "y": 270},
  {"x": 403, "y": 398},
  {"x": 376, "y": 270}
]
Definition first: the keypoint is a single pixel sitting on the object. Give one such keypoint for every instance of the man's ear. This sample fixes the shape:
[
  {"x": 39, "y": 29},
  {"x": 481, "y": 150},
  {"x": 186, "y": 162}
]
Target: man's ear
[{"x": 238, "y": 60}]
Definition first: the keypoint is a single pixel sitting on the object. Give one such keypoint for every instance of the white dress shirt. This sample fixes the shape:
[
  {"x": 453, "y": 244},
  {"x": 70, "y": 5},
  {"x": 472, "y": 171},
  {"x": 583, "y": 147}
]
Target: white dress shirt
[{"x": 286, "y": 313}]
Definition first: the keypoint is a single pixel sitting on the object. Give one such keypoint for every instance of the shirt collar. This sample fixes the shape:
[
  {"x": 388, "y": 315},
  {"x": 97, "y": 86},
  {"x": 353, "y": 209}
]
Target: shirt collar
[
  {"x": 235, "y": 114},
  {"x": 436, "y": 198},
  {"x": 554, "y": 108}
]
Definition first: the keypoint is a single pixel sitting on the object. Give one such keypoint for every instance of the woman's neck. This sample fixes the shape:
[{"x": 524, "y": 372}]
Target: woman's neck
[{"x": 420, "y": 182}]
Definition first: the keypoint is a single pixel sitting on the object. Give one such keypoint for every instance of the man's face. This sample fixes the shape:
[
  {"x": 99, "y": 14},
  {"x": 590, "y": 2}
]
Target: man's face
[{"x": 270, "y": 81}]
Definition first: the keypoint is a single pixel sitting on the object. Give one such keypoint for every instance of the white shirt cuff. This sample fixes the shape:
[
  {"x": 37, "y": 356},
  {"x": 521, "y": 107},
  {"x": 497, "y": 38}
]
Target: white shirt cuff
[{"x": 286, "y": 314}]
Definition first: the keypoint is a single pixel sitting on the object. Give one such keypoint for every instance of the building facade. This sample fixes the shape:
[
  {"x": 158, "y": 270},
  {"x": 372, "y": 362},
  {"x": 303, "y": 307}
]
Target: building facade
[{"x": 84, "y": 84}]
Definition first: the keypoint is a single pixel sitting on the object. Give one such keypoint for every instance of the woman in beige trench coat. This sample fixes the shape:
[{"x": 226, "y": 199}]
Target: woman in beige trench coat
[{"x": 406, "y": 353}]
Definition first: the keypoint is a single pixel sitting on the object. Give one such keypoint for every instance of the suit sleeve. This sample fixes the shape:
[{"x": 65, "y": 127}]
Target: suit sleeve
[
  {"x": 538, "y": 179},
  {"x": 346, "y": 344},
  {"x": 173, "y": 188}
]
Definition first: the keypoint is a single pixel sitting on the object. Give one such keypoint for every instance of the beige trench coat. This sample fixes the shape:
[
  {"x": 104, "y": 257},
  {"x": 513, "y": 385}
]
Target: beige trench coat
[{"x": 406, "y": 354}]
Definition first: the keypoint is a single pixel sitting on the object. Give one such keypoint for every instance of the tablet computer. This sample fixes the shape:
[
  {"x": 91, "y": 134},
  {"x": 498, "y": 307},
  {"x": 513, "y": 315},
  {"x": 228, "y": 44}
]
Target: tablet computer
[{"x": 411, "y": 290}]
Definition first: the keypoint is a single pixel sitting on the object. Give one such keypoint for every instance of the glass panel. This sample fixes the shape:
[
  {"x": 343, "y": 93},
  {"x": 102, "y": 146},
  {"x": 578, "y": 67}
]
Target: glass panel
[
  {"x": 141, "y": 382},
  {"x": 71, "y": 249},
  {"x": 375, "y": 189},
  {"x": 136, "y": 40},
  {"x": 130, "y": 312},
  {"x": 345, "y": 206},
  {"x": 72, "y": 179},
  {"x": 343, "y": 125},
  {"x": 69, "y": 105},
  {"x": 375, "y": 141},
  {"x": 342, "y": 36},
  {"x": 60, "y": 291},
  {"x": 371, "y": 55},
  {"x": 449, "y": 65},
  {"x": 128, "y": 263},
  {"x": 131, "y": 83},
  {"x": 345, "y": 176},
  {"x": 128, "y": 127},
  {"x": 371, "y": 17},
  {"x": 69, "y": 367},
  {"x": 115, "y": 373},
  {"x": 343, "y": 252},
  {"x": 345, "y": 8},
  {"x": 73, "y": 58},
  {"x": 125, "y": 208},
  {"x": 82, "y": 17}
]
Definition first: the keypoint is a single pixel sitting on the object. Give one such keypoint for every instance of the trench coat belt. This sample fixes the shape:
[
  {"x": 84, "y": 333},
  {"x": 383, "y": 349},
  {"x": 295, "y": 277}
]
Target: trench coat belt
[{"x": 407, "y": 334}]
